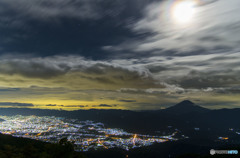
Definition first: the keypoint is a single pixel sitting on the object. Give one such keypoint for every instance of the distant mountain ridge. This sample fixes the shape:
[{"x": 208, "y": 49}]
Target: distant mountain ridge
[
  {"x": 184, "y": 115},
  {"x": 184, "y": 107}
]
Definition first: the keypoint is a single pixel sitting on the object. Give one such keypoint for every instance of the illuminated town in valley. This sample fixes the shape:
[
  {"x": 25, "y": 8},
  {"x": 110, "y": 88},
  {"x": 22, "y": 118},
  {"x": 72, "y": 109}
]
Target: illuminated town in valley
[{"x": 84, "y": 134}]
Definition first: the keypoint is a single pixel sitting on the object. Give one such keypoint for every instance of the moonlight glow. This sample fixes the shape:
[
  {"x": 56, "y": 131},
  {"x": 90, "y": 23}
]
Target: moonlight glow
[{"x": 183, "y": 11}]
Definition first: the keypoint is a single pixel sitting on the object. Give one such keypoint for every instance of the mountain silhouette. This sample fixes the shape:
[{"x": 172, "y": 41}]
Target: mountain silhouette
[{"x": 185, "y": 106}]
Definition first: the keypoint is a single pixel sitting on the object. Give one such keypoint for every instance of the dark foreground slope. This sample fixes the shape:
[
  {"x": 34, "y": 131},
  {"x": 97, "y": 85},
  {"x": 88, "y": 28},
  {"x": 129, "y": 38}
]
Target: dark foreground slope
[{"x": 12, "y": 147}]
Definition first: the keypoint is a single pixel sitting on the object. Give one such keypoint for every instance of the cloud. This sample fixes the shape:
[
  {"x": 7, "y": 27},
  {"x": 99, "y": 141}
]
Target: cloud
[
  {"x": 15, "y": 104},
  {"x": 52, "y": 105},
  {"x": 75, "y": 106},
  {"x": 158, "y": 62},
  {"x": 9, "y": 89},
  {"x": 50, "y": 27},
  {"x": 35, "y": 68},
  {"x": 50, "y": 9},
  {"x": 127, "y": 101},
  {"x": 206, "y": 2},
  {"x": 158, "y": 74},
  {"x": 104, "y": 105},
  {"x": 199, "y": 71},
  {"x": 17, "y": 14},
  {"x": 207, "y": 32},
  {"x": 224, "y": 90},
  {"x": 74, "y": 80},
  {"x": 65, "y": 71}
]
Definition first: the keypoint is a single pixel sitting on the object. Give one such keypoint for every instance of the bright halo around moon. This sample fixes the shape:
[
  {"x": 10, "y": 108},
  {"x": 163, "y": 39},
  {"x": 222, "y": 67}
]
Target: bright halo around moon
[{"x": 183, "y": 11}]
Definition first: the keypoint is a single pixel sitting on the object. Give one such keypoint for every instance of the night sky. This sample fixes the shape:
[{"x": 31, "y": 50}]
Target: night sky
[{"x": 121, "y": 54}]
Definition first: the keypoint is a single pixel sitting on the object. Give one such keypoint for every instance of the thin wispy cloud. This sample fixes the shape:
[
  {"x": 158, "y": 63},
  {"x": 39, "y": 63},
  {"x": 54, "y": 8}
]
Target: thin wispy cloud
[
  {"x": 15, "y": 104},
  {"x": 206, "y": 32},
  {"x": 50, "y": 9}
]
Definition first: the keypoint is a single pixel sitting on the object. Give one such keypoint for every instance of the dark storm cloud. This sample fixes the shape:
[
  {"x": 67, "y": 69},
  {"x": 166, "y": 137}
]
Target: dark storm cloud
[{"x": 15, "y": 104}]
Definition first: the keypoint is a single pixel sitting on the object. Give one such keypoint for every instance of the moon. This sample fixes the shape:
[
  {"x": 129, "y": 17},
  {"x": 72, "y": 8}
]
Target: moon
[{"x": 183, "y": 11}]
